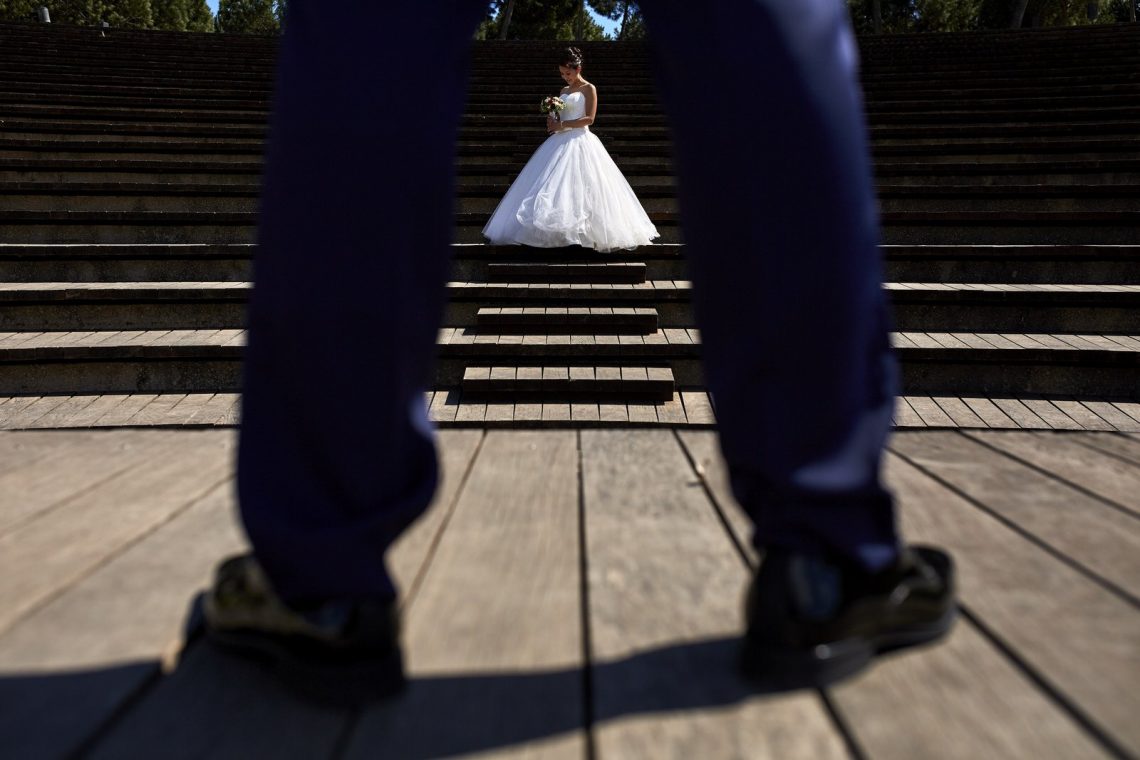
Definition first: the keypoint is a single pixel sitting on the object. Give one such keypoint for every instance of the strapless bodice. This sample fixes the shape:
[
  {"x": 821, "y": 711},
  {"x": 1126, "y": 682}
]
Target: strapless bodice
[{"x": 575, "y": 106}]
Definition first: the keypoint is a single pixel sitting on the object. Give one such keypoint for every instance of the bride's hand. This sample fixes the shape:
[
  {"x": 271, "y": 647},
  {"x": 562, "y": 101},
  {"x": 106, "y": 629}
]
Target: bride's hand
[{"x": 551, "y": 125}]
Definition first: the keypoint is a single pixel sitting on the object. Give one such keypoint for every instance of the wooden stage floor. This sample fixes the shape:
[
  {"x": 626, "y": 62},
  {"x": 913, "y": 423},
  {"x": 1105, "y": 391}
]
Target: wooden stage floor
[{"x": 572, "y": 593}]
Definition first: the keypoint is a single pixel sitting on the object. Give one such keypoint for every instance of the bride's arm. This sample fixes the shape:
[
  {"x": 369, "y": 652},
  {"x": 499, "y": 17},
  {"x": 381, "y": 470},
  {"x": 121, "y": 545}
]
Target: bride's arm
[{"x": 587, "y": 119}]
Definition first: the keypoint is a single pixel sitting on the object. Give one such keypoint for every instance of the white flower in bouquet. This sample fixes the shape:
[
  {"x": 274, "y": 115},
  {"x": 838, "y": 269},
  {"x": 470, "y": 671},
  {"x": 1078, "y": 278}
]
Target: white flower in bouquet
[{"x": 552, "y": 106}]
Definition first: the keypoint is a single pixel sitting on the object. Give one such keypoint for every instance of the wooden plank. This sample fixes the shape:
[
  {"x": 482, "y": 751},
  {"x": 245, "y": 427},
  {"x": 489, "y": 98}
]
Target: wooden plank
[
  {"x": 703, "y": 448},
  {"x": 1120, "y": 446},
  {"x": 505, "y": 374},
  {"x": 493, "y": 636},
  {"x": 1020, "y": 413},
  {"x": 208, "y": 731},
  {"x": 1078, "y": 342},
  {"x": 408, "y": 556},
  {"x": 698, "y": 408},
  {"x": 664, "y": 638},
  {"x": 191, "y": 714},
  {"x": 947, "y": 340},
  {"x": 62, "y": 415},
  {"x": 972, "y": 340},
  {"x": 500, "y": 412},
  {"x": 1026, "y": 341},
  {"x": 1062, "y": 455},
  {"x": 613, "y": 413},
  {"x": 445, "y": 405},
  {"x": 77, "y": 464},
  {"x": 1076, "y": 411},
  {"x": 232, "y": 416},
  {"x": 1101, "y": 342},
  {"x": 26, "y": 417},
  {"x": 962, "y": 415},
  {"x": 905, "y": 416},
  {"x": 188, "y": 409},
  {"x": 584, "y": 412},
  {"x": 20, "y": 449},
  {"x": 218, "y": 407},
  {"x": 528, "y": 412},
  {"x": 990, "y": 413},
  {"x": 65, "y": 544},
  {"x": 644, "y": 413},
  {"x": 922, "y": 340},
  {"x": 157, "y": 410},
  {"x": 115, "y": 625},
  {"x": 12, "y": 409},
  {"x": 1130, "y": 408},
  {"x": 1113, "y": 416},
  {"x": 122, "y": 412},
  {"x": 1048, "y": 341},
  {"x": 901, "y": 340},
  {"x": 471, "y": 412},
  {"x": 1053, "y": 416},
  {"x": 998, "y": 341},
  {"x": 556, "y": 412},
  {"x": 1096, "y": 536},
  {"x": 907, "y": 707},
  {"x": 672, "y": 412},
  {"x": 1043, "y": 610},
  {"x": 930, "y": 412}
]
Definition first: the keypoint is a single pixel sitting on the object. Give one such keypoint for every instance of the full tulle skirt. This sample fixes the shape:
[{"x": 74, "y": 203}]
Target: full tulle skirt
[{"x": 571, "y": 193}]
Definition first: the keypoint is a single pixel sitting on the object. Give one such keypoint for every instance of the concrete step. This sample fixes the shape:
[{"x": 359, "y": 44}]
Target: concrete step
[
  {"x": 567, "y": 383},
  {"x": 568, "y": 320},
  {"x": 563, "y": 307},
  {"x": 484, "y": 194},
  {"x": 616, "y": 272},
  {"x": 160, "y": 149},
  {"x": 1015, "y": 264},
  {"x": 126, "y": 263},
  {"x": 1089, "y": 366},
  {"x": 899, "y": 227}
]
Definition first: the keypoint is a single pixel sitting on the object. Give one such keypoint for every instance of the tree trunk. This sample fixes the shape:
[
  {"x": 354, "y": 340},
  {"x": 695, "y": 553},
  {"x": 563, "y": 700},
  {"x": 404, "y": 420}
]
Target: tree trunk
[
  {"x": 1018, "y": 14},
  {"x": 1132, "y": 11},
  {"x": 877, "y": 16},
  {"x": 625, "y": 18},
  {"x": 506, "y": 19}
]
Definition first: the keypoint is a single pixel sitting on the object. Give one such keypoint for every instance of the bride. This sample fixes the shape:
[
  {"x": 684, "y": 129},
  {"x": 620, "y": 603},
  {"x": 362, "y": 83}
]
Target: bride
[{"x": 571, "y": 192}]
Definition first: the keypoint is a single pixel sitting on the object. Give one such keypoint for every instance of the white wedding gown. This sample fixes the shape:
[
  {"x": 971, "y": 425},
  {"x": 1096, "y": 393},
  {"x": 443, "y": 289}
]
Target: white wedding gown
[{"x": 571, "y": 193}]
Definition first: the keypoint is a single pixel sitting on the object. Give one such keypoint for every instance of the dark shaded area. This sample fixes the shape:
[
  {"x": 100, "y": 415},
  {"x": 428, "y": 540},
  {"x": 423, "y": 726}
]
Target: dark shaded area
[{"x": 215, "y": 703}]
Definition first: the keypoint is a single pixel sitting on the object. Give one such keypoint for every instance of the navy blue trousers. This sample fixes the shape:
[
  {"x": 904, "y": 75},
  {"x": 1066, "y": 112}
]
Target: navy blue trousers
[{"x": 337, "y": 456}]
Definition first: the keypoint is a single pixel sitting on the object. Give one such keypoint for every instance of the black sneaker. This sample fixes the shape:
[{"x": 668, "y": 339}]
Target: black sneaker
[
  {"x": 814, "y": 620},
  {"x": 340, "y": 653}
]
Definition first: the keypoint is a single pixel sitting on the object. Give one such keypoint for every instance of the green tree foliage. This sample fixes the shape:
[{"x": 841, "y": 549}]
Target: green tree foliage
[
  {"x": 1119, "y": 10},
  {"x": 249, "y": 16},
  {"x": 176, "y": 15},
  {"x": 632, "y": 26},
  {"x": 998, "y": 14},
  {"x": 173, "y": 15},
  {"x": 964, "y": 15},
  {"x": 917, "y": 15},
  {"x": 133, "y": 14},
  {"x": 18, "y": 10},
  {"x": 540, "y": 20},
  {"x": 199, "y": 16}
]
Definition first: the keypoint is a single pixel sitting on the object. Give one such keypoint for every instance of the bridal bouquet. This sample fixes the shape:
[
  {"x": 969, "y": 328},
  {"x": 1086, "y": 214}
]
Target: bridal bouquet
[{"x": 552, "y": 106}]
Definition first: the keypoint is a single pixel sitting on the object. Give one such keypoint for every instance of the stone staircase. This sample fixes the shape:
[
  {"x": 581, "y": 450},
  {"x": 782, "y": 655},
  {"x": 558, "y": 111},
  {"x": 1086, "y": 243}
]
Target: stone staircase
[{"x": 1008, "y": 168}]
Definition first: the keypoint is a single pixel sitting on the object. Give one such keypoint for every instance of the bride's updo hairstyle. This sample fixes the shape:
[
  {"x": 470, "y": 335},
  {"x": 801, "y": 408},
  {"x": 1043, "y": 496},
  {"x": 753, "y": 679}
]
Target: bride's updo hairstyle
[{"x": 572, "y": 58}]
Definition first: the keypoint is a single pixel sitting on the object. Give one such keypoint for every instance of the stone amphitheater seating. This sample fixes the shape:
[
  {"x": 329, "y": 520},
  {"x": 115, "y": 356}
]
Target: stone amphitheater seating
[{"x": 1008, "y": 168}]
